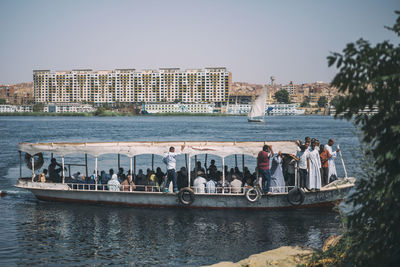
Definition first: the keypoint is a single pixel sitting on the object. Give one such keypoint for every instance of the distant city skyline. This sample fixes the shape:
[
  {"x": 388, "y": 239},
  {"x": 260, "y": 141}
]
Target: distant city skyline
[{"x": 252, "y": 39}]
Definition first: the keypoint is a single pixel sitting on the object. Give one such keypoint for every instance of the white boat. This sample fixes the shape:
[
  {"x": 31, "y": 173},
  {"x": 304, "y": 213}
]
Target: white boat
[
  {"x": 257, "y": 111},
  {"x": 284, "y": 110},
  {"x": 223, "y": 198}
]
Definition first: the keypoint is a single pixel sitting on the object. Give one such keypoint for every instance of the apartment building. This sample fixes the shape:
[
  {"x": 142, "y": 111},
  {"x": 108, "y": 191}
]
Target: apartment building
[
  {"x": 127, "y": 85},
  {"x": 290, "y": 88}
]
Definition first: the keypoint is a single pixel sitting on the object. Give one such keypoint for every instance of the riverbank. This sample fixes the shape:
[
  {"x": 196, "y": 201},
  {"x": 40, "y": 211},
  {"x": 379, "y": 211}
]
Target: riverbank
[
  {"x": 332, "y": 252},
  {"x": 125, "y": 114},
  {"x": 283, "y": 256}
]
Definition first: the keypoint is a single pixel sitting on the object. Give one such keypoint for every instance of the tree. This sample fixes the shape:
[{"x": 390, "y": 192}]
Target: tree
[
  {"x": 282, "y": 96},
  {"x": 335, "y": 100},
  {"x": 99, "y": 111},
  {"x": 38, "y": 107},
  {"x": 370, "y": 76},
  {"x": 322, "y": 101}
]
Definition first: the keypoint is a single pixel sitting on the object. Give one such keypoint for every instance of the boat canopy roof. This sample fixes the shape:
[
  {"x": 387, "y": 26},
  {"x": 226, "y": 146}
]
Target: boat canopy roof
[{"x": 131, "y": 149}]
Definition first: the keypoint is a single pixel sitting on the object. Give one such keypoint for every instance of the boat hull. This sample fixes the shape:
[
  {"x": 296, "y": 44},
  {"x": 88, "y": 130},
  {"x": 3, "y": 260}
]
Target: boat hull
[
  {"x": 255, "y": 120},
  {"x": 61, "y": 192}
]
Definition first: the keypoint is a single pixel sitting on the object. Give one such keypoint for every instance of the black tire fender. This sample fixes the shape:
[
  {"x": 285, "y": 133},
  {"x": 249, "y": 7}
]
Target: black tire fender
[
  {"x": 185, "y": 193},
  {"x": 37, "y": 160},
  {"x": 252, "y": 194},
  {"x": 296, "y": 196}
]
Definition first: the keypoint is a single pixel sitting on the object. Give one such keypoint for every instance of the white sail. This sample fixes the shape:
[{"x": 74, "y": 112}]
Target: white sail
[{"x": 258, "y": 108}]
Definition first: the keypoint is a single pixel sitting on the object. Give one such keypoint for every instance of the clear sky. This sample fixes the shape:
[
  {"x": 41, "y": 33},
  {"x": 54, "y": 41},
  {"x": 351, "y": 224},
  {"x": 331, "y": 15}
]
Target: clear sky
[{"x": 253, "y": 39}]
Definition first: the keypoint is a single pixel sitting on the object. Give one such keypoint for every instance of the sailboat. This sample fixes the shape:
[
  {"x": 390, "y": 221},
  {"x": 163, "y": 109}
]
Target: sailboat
[{"x": 257, "y": 111}]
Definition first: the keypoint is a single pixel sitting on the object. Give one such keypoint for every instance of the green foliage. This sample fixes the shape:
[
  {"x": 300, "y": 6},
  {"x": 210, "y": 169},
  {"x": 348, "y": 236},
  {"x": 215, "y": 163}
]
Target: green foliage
[
  {"x": 38, "y": 107},
  {"x": 335, "y": 101},
  {"x": 282, "y": 96},
  {"x": 2, "y": 101},
  {"x": 322, "y": 101},
  {"x": 100, "y": 111},
  {"x": 370, "y": 76},
  {"x": 306, "y": 102}
]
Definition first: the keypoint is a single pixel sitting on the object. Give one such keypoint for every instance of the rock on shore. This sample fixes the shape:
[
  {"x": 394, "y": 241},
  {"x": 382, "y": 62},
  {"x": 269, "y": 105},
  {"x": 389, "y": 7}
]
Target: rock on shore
[{"x": 283, "y": 256}]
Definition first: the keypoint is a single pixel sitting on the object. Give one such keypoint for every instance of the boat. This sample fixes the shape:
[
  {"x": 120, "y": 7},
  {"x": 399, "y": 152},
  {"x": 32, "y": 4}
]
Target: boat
[
  {"x": 284, "y": 110},
  {"x": 257, "y": 111},
  {"x": 69, "y": 190}
]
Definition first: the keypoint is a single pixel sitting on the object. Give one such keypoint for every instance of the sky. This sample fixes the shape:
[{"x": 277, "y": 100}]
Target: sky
[{"x": 288, "y": 39}]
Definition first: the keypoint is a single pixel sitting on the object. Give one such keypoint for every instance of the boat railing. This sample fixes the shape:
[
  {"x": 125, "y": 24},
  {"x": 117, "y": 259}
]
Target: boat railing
[
  {"x": 225, "y": 190},
  {"x": 113, "y": 188}
]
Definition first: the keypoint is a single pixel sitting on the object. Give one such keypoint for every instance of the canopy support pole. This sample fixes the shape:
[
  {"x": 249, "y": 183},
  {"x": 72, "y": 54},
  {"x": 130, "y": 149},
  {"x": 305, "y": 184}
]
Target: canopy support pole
[
  {"x": 134, "y": 167},
  {"x": 63, "y": 171},
  {"x": 186, "y": 163},
  {"x": 52, "y": 155},
  {"x": 87, "y": 173},
  {"x": 236, "y": 161},
  {"x": 20, "y": 164},
  {"x": 223, "y": 175},
  {"x": 33, "y": 167},
  {"x": 205, "y": 165},
  {"x": 195, "y": 165},
  {"x": 188, "y": 171},
  {"x": 130, "y": 166},
  {"x": 296, "y": 170},
  {"x": 243, "y": 166},
  {"x": 152, "y": 162},
  {"x": 95, "y": 170},
  {"x": 119, "y": 161}
]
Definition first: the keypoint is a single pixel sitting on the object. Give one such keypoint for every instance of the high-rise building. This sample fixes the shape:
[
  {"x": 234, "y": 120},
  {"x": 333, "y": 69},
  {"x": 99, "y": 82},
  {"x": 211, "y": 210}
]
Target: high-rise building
[
  {"x": 128, "y": 85},
  {"x": 290, "y": 88}
]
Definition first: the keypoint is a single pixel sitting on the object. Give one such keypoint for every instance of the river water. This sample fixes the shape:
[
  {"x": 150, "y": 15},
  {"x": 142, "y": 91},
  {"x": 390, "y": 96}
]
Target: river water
[{"x": 33, "y": 232}]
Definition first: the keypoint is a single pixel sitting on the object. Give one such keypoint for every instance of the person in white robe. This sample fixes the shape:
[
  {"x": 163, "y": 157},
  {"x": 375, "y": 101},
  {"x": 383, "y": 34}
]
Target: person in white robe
[
  {"x": 113, "y": 184},
  {"x": 199, "y": 184},
  {"x": 277, "y": 178},
  {"x": 332, "y": 175},
  {"x": 314, "y": 174}
]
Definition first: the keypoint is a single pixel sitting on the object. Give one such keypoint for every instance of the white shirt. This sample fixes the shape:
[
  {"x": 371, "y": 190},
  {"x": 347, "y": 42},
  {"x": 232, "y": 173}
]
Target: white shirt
[
  {"x": 210, "y": 186},
  {"x": 236, "y": 186},
  {"x": 302, "y": 158},
  {"x": 113, "y": 184},
  {"x": 199, "y": 184},
  {"x": 170, "y": 160}
]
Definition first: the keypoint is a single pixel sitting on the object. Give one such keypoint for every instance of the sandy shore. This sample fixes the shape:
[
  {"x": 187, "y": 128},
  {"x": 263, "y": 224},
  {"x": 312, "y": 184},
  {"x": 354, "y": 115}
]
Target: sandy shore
[{"x": 283, "y": 256}]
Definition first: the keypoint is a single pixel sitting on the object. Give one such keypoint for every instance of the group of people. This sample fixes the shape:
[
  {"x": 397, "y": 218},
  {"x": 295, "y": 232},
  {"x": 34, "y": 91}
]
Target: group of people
[
  {"x": 275, "y": 171},
  {"x": 316, "y": 166},
  {"x": 316, "y": 163}
]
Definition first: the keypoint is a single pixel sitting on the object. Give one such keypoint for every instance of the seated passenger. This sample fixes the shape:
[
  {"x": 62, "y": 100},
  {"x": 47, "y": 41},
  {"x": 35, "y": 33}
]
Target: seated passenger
[
  {"x": 152, "y": 183},
  {"x": 113, "y": 184},
  {"x": 182, "y": 178},
  {"x": 77, "y": 176},
  {"x": 248, "y": 183},
  {"x": 121, "y": 175},
  {"x": 238, "y": 173},
  {"x": 140, "y": 181},
  {"x": 54, "y": 173},
  {"x": 210, "y": 186},
  {"x": 199, "y": 184},
  {"x": 42, "y": 176},
  {"x": 198, "y": 167},
  {"x": 128, "y": 184},
  {"x": 212, "y": 170},
  {"x": 160, "y": 175},
  {"x": 236, "y": 185}
]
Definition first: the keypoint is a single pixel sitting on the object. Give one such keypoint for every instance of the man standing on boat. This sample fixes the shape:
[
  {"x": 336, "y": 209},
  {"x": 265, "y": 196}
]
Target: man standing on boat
[
  {"x": 263, "y": 166},
  {"x": 332, "y": 175},
  {"x": 170, "y": 161}
]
